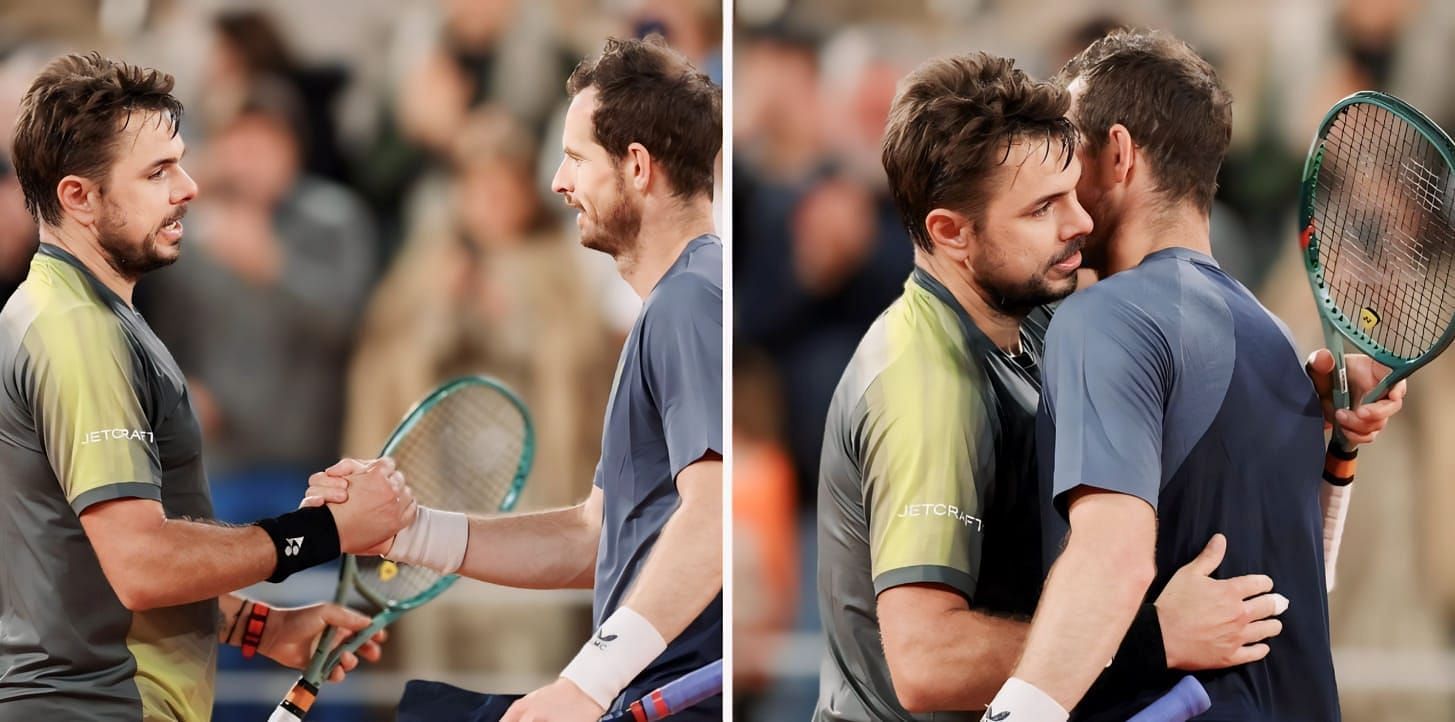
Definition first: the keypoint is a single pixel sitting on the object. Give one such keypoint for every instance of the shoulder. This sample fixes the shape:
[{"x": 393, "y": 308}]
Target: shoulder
[
  {"x": 688, "y": 297},
  {"x": 1139, "y": 304}
]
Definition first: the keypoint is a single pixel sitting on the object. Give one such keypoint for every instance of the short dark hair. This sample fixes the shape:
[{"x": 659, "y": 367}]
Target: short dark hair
[
  {"x": 72, "y": 118},
  {"x": 955, "y": 119},
  {"x": 650, "y": 94},
  {"x": 1169, "y": 99}
]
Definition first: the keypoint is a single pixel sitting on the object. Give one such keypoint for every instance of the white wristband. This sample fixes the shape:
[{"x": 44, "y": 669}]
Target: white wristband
[
  {"x": 624, "y": 645},
  {"x": 1021, "y": 701},
  {"x": 436, "y": 540}
]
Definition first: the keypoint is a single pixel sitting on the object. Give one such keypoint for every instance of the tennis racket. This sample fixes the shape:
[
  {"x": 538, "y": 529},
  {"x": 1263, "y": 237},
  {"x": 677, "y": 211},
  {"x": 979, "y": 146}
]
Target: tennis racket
[
  {"x": 673, "y": 697},
  {"x": 1377, "y": 222},
  {"x": 1186, "y": 700},
  {"x": 466, "y": 447}
]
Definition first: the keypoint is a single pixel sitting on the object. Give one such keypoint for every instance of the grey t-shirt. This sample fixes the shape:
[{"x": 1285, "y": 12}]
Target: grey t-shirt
[
  {"x": 92, "y": 409},
  {"x": 665, "y": 413}
]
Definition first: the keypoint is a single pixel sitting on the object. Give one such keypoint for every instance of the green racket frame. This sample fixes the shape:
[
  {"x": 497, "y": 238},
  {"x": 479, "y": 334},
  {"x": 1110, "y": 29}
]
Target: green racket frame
[
  {"x": 1337, "y": 325},
  {"x": 323, "y": 664}
]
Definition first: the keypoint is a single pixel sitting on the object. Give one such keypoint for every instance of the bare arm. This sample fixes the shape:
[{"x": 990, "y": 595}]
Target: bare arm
[
  {"x": 544, "y": 550},
  {"x": 684, "y": 570},
  {"x": 152, "y": 561},
  {"x": 941, "y": 654},
  {"x": 1092, "y": 593}
]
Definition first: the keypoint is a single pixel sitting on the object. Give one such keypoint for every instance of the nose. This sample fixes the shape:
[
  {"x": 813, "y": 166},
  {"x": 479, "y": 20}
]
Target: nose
[
  {"x": 186, "y": 190},
  {"x": 560, "y": 183},
  {"x": 1078, "y": 222}
]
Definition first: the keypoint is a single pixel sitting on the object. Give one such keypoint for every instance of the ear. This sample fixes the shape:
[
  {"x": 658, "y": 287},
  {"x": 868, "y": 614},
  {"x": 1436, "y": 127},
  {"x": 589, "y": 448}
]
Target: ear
[
  {"x": 1120, "y": 153},
  {"x": 79, "y": 197},
  {"x": 639, "y": 167},
  {"x": 951, "y": 233}
]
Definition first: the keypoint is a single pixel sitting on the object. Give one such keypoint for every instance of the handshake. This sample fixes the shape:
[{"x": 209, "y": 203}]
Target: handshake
[{"x": 370, "y": 501}]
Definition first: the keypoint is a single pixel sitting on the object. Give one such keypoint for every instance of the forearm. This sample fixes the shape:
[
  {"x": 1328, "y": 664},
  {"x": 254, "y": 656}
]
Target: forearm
[
  {"x": 954, "y": 659},
  {"x": 179, "y": 562},
  {"x": 543, "y": 550},
  {"x": 684, "y": 571},
  {"x": 1093, "y": 592}
]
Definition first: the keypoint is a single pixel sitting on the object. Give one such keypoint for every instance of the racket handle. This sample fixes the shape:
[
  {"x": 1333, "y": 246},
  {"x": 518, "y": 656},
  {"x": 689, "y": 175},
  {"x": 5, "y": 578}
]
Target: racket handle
[
  {"x": 296, "y": 704},
  {"x": 675, "y": 696},
  {"x": 1186, "y": 700}
]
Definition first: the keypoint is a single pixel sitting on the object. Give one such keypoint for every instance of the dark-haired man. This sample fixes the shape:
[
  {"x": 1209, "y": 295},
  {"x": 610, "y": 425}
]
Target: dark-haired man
[
  {"x": 640, "y": 141},
  {"x": 1174, "y": 407},
  {"x": 110, "y": 582}
]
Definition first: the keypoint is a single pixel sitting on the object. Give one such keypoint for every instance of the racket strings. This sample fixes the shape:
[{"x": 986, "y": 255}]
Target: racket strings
[
  {"x": 464, "y": 453},
  {"x": 1382, "y": 215}
]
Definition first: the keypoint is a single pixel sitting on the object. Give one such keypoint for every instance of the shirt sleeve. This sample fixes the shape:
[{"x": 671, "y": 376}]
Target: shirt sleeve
[
  {"x": 1107, "y": 376},
  {"x": 684, "y": 368},
  {"x": 925, "y": 449},
  {"x": 87, "y": 399}
]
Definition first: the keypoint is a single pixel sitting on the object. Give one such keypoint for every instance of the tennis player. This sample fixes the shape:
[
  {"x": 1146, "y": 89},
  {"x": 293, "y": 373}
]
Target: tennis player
[
  {"x": 930, "y": 556},
  {"x": 641, "y": 135},
  {"x": 1174, "y": 407},
  {"x": 111, "y": 577}
]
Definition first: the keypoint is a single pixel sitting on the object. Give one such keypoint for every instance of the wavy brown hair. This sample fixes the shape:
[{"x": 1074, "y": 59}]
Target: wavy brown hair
[
  {"x": 72, "y": 119},
  {"x": 1170, "y": 100},
  {"x": 649, "y": 93},
  {"x": 955, "y": 119}
]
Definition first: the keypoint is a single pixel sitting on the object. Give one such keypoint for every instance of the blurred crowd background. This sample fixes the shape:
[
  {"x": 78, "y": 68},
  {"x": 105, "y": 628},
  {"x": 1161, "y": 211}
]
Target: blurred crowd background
[
  {"x": 818, "y": 254},
  {"x": 374, "y": 217}
]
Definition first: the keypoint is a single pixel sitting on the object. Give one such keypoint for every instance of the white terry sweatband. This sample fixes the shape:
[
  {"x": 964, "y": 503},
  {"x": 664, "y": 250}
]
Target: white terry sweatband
[
  {"x": 436, "y": 540},
  {"x": 1024, "y": 703},
  {"x": 624, "y": 645}
]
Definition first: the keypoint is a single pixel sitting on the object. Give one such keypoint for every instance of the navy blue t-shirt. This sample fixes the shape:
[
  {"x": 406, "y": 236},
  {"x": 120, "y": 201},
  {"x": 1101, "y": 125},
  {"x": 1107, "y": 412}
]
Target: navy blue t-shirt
[
  {"x": 665, "y": 413},
  {"x": 1171, "y": 383}
]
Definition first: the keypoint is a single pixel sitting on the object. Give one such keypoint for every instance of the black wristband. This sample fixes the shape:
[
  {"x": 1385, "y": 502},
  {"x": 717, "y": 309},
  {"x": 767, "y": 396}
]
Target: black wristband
[
  {"x": 301, "y": 539},
  {"x": 1142, "y": 649}
]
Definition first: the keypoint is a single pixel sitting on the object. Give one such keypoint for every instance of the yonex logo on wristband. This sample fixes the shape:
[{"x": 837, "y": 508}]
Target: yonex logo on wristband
[{"x": 295, "y": 544}]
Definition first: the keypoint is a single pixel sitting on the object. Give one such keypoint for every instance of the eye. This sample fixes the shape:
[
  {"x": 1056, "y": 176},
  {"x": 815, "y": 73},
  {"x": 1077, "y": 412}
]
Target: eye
[
  {"x": 159, "y": 174},
  {"x": 1041, "y": 210}
]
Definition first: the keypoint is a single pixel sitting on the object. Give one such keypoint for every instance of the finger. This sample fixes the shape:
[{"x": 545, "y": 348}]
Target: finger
[
  {"x": 343, "y": 618},
  {"x": 1210, "y": 557},
  {"x": 370, "y": 652},
  {"x": 396, "y": 480},
  {"x": 381, "y": 636},
  {"x": 1261, "y": 630},
  {"x": 346, "y": 466},
  {"x": 1380, "y": 410},
  {"x": 1250, "y": 653},
  {"x": 1251, "y": 585},
  {"x": 1320, "y": 368},
  {"x": 1360, "y": 439},
  {"x": 337, "y": 675},
  {"x": 1265, "y": 606},
  {"x": 384, "y": 465},
  {"x": 1351, "y": 423},
  {"x": 1397, "y": 393},
  {"x": 324, "y": 480},
  {"x": 311, "y": 501}
]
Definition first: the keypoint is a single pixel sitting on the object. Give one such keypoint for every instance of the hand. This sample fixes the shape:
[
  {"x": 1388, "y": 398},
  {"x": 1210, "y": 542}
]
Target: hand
[
  {"x": 292, "y": 634},
  {"x": 1361, "y": 425},
  {"x": 331, "y": 486},
  {"x": 559, "y": 701},
  {"x": 379, "y": 505},
  {"x": 1212, "y": 623}
]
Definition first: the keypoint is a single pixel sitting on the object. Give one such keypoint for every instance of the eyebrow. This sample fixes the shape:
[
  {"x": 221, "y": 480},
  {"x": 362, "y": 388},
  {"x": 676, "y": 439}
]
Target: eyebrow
[
  {"x": 171, "y": 159},
  {"x": 1045, "y": 199}
]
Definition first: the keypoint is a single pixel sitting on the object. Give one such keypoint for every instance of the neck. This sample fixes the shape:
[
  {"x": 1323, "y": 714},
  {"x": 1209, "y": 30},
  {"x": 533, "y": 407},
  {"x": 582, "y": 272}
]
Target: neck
[
  {"x": 660, "y": 242},
  {"x": 88, "y": 252},
  {"x": 1141, "y": 235},
  {"x": 1003, "y": 329}
]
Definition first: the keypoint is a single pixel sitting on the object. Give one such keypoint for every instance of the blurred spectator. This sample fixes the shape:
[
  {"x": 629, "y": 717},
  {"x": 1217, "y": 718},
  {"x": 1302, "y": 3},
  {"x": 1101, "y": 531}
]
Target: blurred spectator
[
  {"x": 765, "y": 547},
  {"x": 261, "y": 308},
  {"x": 487, "y": 283},
  {"x": 248, "y": 50},
  {"x": 18, "y": 235}
]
